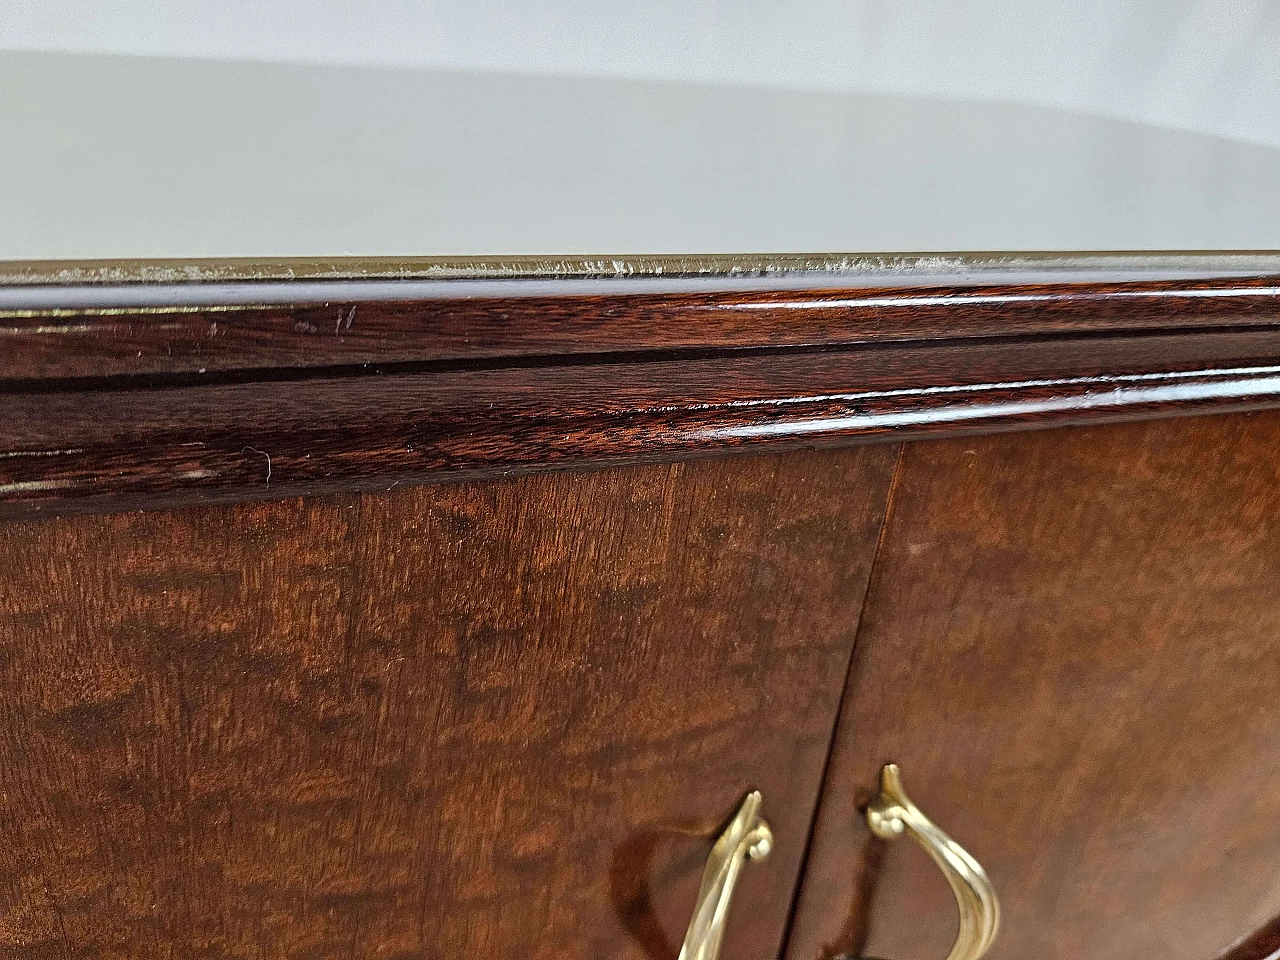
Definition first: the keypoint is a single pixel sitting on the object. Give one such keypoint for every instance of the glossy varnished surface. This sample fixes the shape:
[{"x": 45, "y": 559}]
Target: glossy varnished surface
[
  {"x": 1069, "y": 648},
  {"x": 53, "y": 331},
  {"x": 499, "y": 720},
  {"x": 107, "y": 413}
]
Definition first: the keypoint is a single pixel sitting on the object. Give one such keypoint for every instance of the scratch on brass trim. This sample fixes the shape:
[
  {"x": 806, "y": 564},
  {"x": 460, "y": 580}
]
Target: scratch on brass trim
[{"x": 907, "y": 268}]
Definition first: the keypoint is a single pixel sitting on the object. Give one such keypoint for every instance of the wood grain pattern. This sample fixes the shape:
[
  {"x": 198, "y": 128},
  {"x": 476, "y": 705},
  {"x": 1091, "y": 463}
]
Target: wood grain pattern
[
  {"x": 495, "y": 720},
  {"x": 348, "y": 325},
  {"x": 1069, "y": 648},
  {"x": 121, "y": 447}
]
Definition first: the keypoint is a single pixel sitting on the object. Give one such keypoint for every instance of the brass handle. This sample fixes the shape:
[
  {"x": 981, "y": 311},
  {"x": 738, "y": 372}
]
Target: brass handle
[
  {"x": 891, "y": 814},
  {"x": 747, "y": 837}
]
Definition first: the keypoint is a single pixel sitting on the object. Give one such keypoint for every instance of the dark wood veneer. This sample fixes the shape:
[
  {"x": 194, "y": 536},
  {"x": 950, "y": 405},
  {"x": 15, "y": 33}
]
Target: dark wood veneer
[
  {"x": 346, "y": 330},
  {"x": 1069, "y": 646},
  {"x": 160, "y": 406},
  {"x": 504, "y": 719},
  {"x": 499, "y": 720},
  {"x": 120, "y": 445}
]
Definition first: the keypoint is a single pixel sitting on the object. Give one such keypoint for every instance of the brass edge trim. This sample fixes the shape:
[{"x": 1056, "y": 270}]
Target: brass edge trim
[{"x": 909, "y": 267}]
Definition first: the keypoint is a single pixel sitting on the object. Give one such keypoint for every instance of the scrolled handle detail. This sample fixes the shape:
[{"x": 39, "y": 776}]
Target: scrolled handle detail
[
  {"x": 891, "y": 814},
  {"x": 747, "y": 837}
]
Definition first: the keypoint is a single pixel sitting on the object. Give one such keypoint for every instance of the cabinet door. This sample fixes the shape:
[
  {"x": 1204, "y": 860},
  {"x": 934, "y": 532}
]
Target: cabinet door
[
  {"x": 500, "y": 719},
  {"x": 1071, "y": 647}
]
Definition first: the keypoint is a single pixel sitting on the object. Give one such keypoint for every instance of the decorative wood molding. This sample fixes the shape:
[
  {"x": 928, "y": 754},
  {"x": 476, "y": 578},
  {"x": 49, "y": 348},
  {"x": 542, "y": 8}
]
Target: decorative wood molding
[{"x": 187, "y": 393}]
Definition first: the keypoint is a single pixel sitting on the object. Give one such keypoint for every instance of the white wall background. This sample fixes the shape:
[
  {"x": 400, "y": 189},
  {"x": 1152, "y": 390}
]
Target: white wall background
[{"x": 1211, "y": 66}]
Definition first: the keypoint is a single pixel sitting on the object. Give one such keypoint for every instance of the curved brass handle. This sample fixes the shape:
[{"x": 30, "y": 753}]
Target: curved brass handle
[
  {"x": 891, "y": 814},
  {"x": 747, "y": 837}
]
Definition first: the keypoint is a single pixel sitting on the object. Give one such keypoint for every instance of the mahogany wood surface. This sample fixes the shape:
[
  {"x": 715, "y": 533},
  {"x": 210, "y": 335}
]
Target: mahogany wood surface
[
  {"x": 354, "y": 323},
  {"x": 167, "y": 393},
  {"x": 1069, "y": 647},
  {"x": 117, "y": 443},
  {"x": 505, "y": 718},
  {"x": 499, "y": 720}
]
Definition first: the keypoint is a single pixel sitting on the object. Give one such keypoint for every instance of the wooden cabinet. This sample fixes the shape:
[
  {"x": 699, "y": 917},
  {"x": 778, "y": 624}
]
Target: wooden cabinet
[
  {"x": 1071, "y": 647},
  {"x": 376, "y": 595},
  {"x": 492, "y": 719},
  {"x": 477, "y": 657}
]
